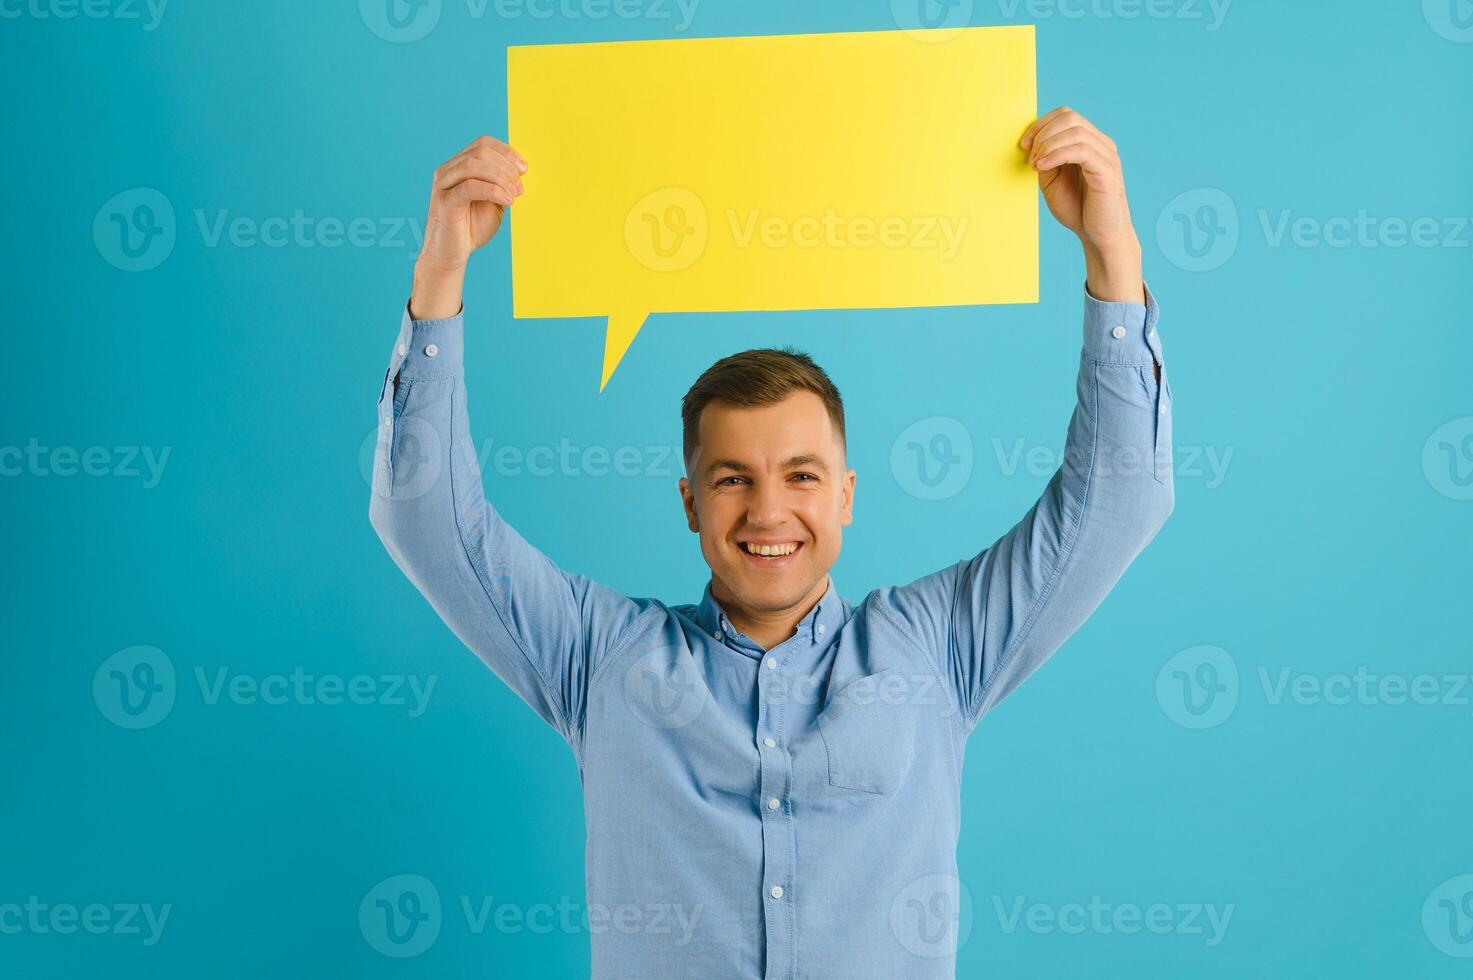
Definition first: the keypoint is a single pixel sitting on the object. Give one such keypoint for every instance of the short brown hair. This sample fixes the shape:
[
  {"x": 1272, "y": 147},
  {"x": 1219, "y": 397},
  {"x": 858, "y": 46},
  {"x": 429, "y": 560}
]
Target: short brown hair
[{"x": 761, "y": 376}]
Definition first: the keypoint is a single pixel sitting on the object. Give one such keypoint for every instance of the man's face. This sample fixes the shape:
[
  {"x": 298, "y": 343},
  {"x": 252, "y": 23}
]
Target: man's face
[{"x": 769, "y": 475}]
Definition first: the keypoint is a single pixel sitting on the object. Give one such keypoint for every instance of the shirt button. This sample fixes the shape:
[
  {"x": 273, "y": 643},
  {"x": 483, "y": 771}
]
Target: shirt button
[
  {"x": 777, "y": 891},
  {"x": 772, "y": 663},
  {"x": 431, "y": 350},
  {"x": 715, "y": 634},
  {"x": 403, "y": 349},
  {"x": 1161, "y": 409},
  {"x": 774, "y": 803},
  {"x": 1118, "y": 333},
  {"x": 386, "y": 420},
  {"x": 769, "y": 743}
]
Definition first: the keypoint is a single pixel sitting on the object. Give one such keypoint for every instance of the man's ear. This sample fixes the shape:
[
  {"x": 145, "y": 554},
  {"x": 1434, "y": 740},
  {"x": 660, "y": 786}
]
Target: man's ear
[
  {"x": 688, "y": 501},
  {"x": 846, "y": 514}
]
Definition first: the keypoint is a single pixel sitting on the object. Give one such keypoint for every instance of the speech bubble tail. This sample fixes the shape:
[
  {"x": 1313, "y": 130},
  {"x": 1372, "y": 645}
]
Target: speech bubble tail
[{"x": 617, "y": 338}]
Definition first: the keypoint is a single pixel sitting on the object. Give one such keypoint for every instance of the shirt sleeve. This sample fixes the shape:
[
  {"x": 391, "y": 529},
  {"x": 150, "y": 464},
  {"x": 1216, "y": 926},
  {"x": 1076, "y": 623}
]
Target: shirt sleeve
[
  {"x": 542, "y": 630},
  {"x": 991, "y": 620}
]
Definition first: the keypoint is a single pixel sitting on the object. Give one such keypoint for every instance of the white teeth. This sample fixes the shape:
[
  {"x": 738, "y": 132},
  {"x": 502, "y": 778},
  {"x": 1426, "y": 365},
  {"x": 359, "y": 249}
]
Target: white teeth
[{"x": 771, "y": 550}]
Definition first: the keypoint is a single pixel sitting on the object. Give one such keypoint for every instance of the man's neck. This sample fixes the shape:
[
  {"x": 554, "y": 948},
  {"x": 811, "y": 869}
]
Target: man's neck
[{"x": 767, "y": 629}]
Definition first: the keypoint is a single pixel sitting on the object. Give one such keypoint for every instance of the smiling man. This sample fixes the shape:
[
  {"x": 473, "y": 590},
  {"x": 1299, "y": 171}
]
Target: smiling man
[
  {"x": 774, "y": 766},
  {"x": 768, "y": 490}
]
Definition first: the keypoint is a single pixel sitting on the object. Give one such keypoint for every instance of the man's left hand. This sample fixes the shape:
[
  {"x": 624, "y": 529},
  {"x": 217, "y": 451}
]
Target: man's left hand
[{"x": 1080, "y": 175}]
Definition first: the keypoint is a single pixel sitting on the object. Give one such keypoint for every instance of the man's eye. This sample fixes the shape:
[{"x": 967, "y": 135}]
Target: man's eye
[
  {"x": 724, "y": 481},
  {"x": 806, "y": 476}
]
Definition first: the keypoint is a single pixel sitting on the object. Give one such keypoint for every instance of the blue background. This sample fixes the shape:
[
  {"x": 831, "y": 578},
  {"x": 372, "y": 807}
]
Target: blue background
[{"x": 1331, "y": 541}]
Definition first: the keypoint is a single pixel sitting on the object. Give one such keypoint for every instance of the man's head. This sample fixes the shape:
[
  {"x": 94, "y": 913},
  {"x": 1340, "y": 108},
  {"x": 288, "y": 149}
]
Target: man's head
[{"x": 765, "y": 465}]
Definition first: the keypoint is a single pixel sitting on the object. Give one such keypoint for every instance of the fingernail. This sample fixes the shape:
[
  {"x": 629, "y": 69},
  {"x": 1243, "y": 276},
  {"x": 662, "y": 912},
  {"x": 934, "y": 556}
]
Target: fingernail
[
  {"x": 521, "y": 165},
  {"x": 1027, "y": 142}
]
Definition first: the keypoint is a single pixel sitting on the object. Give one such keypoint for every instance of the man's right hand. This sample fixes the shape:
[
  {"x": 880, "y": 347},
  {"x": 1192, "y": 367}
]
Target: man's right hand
[{"x": 469, "y": 196}]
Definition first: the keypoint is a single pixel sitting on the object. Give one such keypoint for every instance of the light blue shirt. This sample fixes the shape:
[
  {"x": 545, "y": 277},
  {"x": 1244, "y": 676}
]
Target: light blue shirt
[{"x": 786, "y": 813}]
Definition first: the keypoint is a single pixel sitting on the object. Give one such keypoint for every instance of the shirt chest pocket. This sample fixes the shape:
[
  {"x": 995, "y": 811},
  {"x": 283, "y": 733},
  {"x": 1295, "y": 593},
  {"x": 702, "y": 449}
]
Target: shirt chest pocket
[{"x": 868, "y": 736}]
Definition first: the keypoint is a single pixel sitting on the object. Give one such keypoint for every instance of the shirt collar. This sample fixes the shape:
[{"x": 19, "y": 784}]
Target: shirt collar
[{"x": 817, "y": 626}]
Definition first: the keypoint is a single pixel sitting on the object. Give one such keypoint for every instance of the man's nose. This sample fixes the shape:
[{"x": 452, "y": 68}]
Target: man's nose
[{"x": 765, "y": 507}]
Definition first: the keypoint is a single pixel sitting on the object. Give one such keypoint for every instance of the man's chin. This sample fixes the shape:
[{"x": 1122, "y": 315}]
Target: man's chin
[{"x": 772, "y": 592}]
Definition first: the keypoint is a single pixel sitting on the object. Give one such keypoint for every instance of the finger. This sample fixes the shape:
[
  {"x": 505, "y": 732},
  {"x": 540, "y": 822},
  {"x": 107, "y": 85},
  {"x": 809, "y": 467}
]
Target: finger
[
  {"x": 497, "y": 169},
  {"x": 496, "y": 146},
  {"x": 1039, "y": 123},
  {"x": 1054, "y": 127},
  {"x": 467, "y": 191},
  {"x": 1065, "y": 121},
  {"x": 1061, "y": 117},
  {"x": 1045, "y": 144},
  {"x": 1056, "y": 133},
  {"x": 498, "y": 173},
  {"x": 1085, "y": 154}
]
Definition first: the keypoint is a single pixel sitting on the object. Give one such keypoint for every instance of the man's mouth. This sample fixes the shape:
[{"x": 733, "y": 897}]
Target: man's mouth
[
  {"x": 775, "y": 554},
  {"x": 773, "y": 550}
]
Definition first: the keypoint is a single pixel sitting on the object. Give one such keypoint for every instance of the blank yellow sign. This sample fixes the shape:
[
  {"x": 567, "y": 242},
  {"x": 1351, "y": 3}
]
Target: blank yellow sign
[{"x": 798, "y": 172}]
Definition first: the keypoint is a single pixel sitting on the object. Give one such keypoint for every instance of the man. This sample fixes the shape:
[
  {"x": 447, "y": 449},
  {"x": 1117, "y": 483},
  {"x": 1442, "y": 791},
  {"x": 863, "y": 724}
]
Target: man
[{"x": 772, "y": 776}]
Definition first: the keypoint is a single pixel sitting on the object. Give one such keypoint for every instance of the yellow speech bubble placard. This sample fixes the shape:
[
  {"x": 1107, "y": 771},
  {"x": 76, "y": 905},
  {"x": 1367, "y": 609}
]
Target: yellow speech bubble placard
[{"x": 795, "y": 172}]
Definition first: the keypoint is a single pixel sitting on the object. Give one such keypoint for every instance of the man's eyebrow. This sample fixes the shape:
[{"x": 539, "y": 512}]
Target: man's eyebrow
[
  {"x": 808, "y": 460},
  {"x": 791, "y": 463}
]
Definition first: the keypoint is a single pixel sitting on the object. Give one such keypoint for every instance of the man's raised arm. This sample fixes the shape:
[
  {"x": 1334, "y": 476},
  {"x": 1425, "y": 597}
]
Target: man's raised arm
[
  {"x": 542, "y": 630},
  {"x": 991, "y": 620}
]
